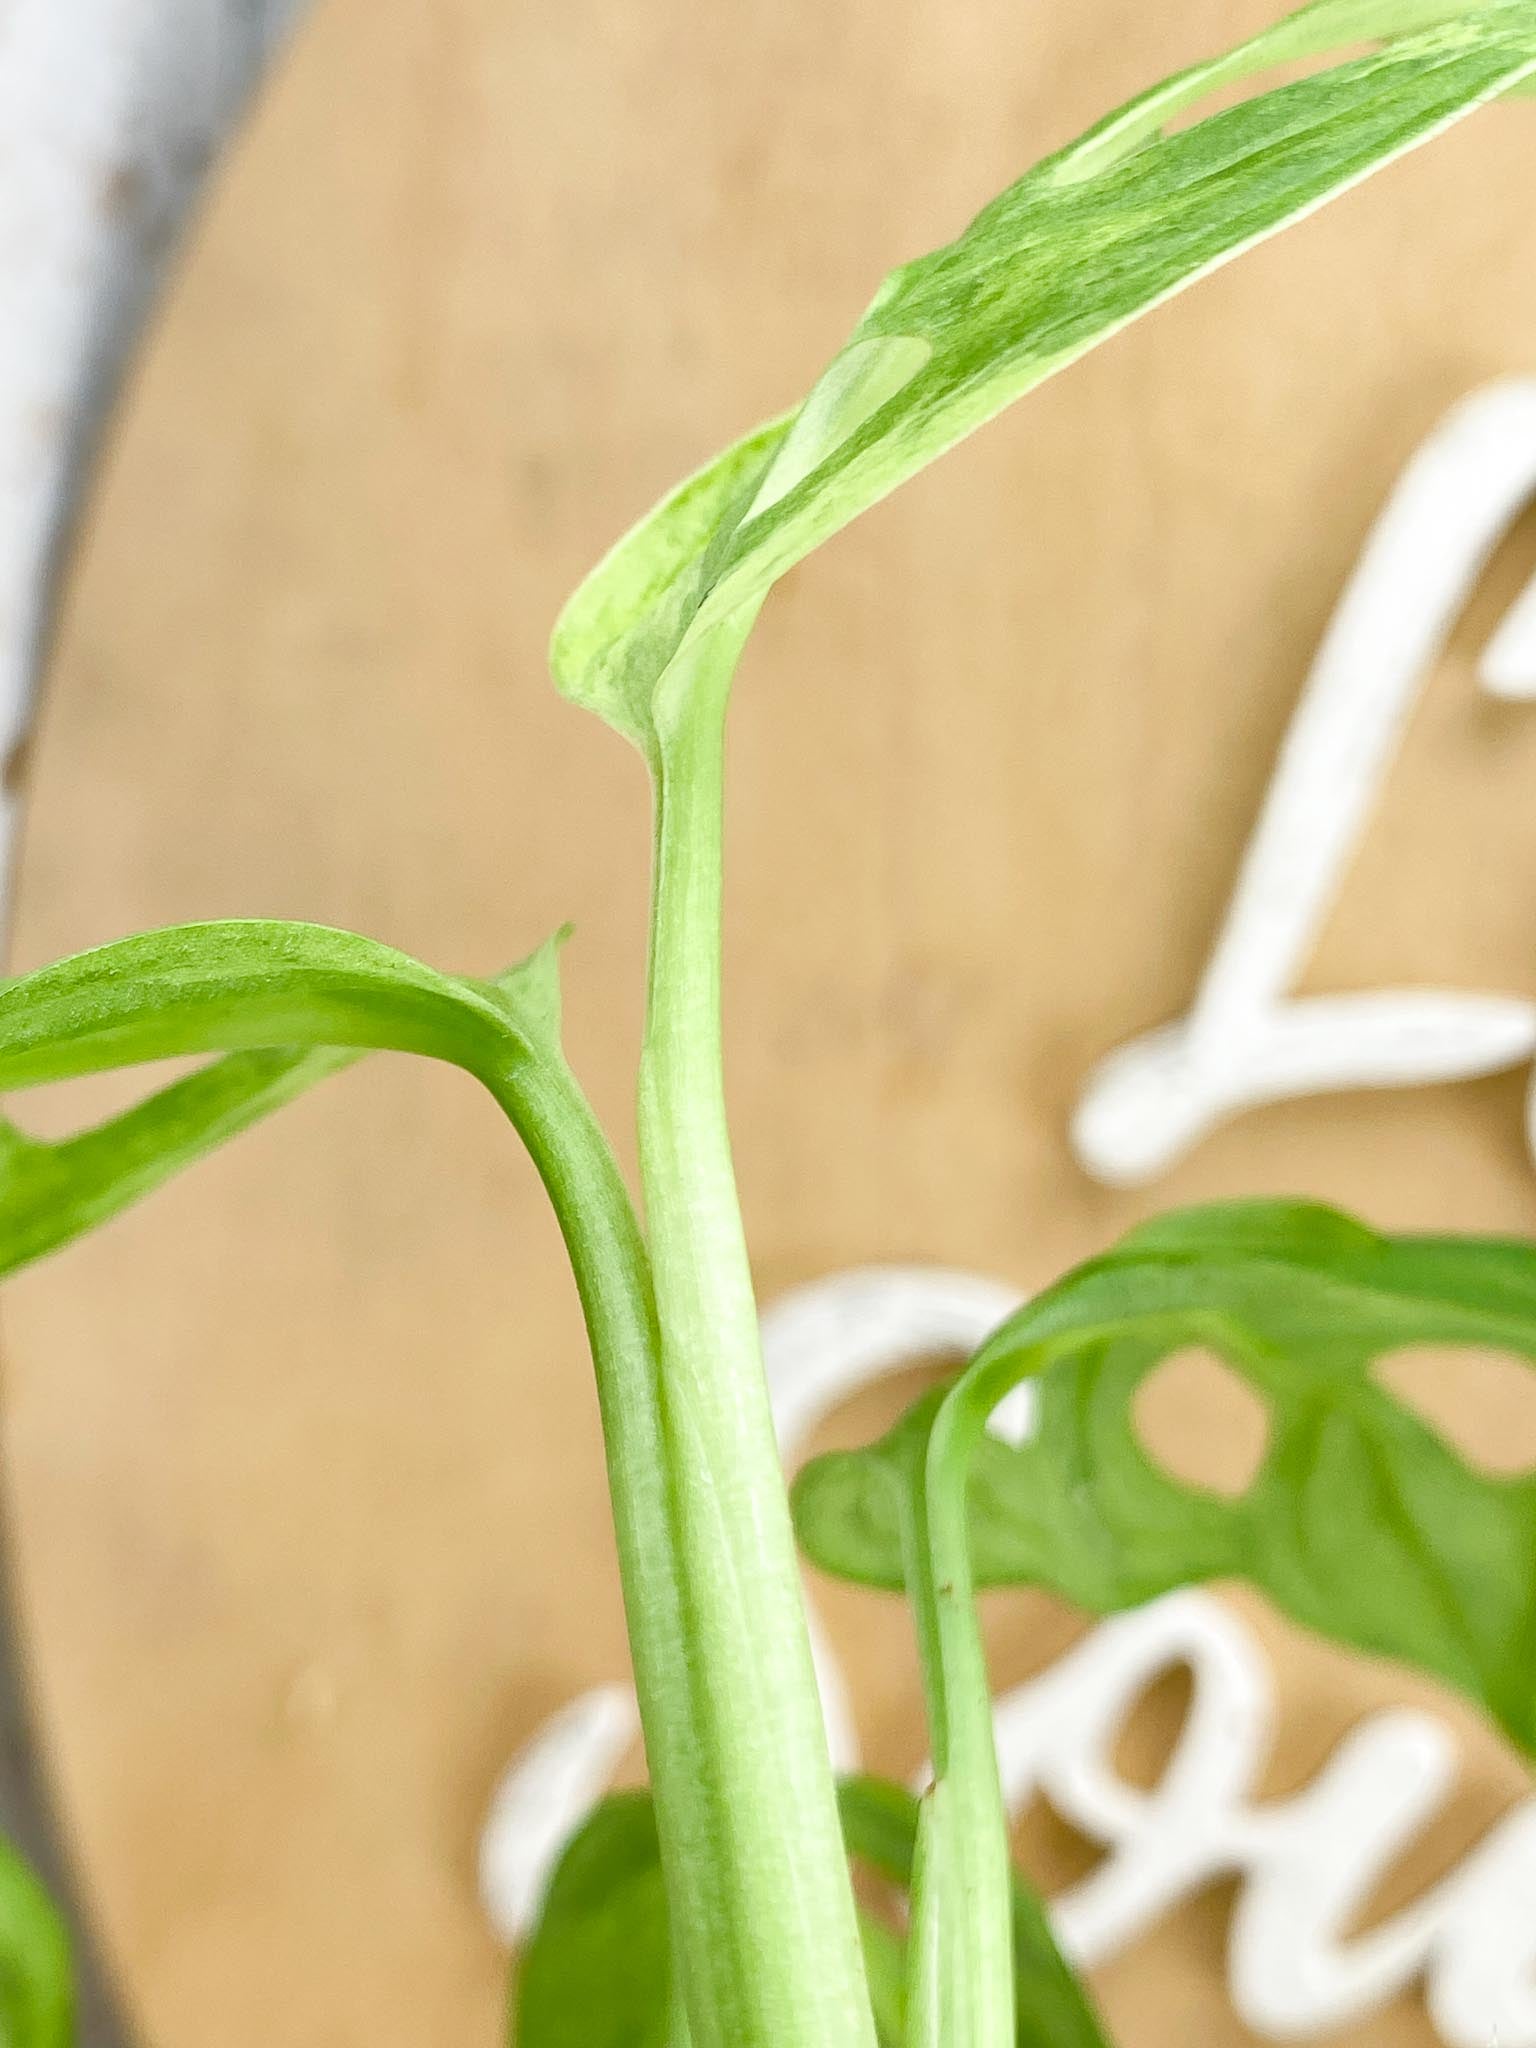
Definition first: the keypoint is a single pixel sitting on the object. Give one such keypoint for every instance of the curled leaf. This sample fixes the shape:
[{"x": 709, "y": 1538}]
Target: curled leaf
[
  {"x": 880, "y": 1826},
  {"x": 1081, "y": 245},
  {"x": 302, "y": 999}
]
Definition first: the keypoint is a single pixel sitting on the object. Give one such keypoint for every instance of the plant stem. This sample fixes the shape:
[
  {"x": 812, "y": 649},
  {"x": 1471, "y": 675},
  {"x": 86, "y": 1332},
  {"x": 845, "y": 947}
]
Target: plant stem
[
  {"x": 613, "y": 1279},
  {"x": 767, "y": 1933},
  {"x": 885, "y": 1971},
  {"x": 961, "y": 1986}
]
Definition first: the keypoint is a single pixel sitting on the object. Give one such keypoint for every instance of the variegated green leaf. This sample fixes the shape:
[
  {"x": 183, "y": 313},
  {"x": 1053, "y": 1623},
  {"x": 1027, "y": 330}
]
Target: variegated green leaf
[{"x": 1081, "y": 245}]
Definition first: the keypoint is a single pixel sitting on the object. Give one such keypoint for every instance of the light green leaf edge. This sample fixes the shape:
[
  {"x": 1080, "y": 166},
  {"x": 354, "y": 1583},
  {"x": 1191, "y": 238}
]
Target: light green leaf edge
[
  {"x": 52, "y": 1192},
  {"x": 252, "y": 984},
  {"x": 1080, "y": 246}
]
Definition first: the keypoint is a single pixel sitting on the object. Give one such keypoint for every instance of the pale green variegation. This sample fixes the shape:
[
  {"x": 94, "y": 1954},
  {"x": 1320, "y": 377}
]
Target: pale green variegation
[
  {"x": 249, "y": 984},
  {"x": 1081, "y": 245},
  {"x": 252, "y": 983},
  {"x": 189, "y": 991},
  {"x": 210, "y": 988}
]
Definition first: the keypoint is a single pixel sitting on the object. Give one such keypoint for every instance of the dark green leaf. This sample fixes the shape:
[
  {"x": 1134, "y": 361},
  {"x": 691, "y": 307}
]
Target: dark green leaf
[
  {"x": 37, "y": 1999},
  {"x": 880, "y": 1828},
  {"x": 1362, "y": 1523},
  {"x": 597, "y": 1970}
]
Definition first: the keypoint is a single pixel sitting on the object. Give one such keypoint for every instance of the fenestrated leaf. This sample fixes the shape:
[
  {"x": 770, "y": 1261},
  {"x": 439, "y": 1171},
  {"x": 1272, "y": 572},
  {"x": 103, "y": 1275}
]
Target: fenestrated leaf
[
  {"x": 216, "y": 985},
  {"x": 37, "y": 1996},
  {"x": 597, "y": 1969},
  {"x": 1362, "y": 1523},
  {"x": 1080, "y": 246},
  {"x": 52, "y": 1193}
]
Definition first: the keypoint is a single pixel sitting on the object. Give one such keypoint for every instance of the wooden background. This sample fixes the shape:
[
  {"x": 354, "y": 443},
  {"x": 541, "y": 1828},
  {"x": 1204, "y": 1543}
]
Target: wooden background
[{"x": 302, "y": 1457}]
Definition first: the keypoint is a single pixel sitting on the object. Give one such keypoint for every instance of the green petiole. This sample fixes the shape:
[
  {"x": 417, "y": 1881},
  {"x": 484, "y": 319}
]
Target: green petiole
[
  {"x": 767, "y": 1937},
  {"x": 961, "y": 1966}
]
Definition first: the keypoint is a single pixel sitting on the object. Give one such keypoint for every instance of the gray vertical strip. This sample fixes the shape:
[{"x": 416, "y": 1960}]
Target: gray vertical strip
[{"x": 111, "y": 114}]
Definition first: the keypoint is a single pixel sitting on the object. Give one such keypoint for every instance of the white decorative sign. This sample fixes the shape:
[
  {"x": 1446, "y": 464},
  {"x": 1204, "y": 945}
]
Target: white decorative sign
[
  {"x": 1307, "y": 1864},
  {"x": 1245, "y": 1041}
]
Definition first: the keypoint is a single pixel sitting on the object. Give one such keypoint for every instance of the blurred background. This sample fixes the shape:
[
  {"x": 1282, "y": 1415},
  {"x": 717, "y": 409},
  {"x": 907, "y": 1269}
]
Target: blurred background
[{"x": 303, "y": 1489}]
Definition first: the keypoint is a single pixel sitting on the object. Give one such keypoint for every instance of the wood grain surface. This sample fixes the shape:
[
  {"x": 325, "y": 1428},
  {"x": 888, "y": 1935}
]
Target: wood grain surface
[{"x": 302, "y": 1458}]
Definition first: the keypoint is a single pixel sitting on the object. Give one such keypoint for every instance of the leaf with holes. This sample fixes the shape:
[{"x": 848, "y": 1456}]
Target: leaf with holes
[
  {"x": 1080, "y": 246},
  {"x": 1362, "y": 1523}
]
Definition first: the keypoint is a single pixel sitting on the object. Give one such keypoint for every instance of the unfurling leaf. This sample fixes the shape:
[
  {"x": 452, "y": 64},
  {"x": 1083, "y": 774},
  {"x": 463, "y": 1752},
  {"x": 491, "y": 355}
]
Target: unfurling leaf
[
  {"x": 1083, "y": 244},
  {"x": 1361, "y": 1523}
]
